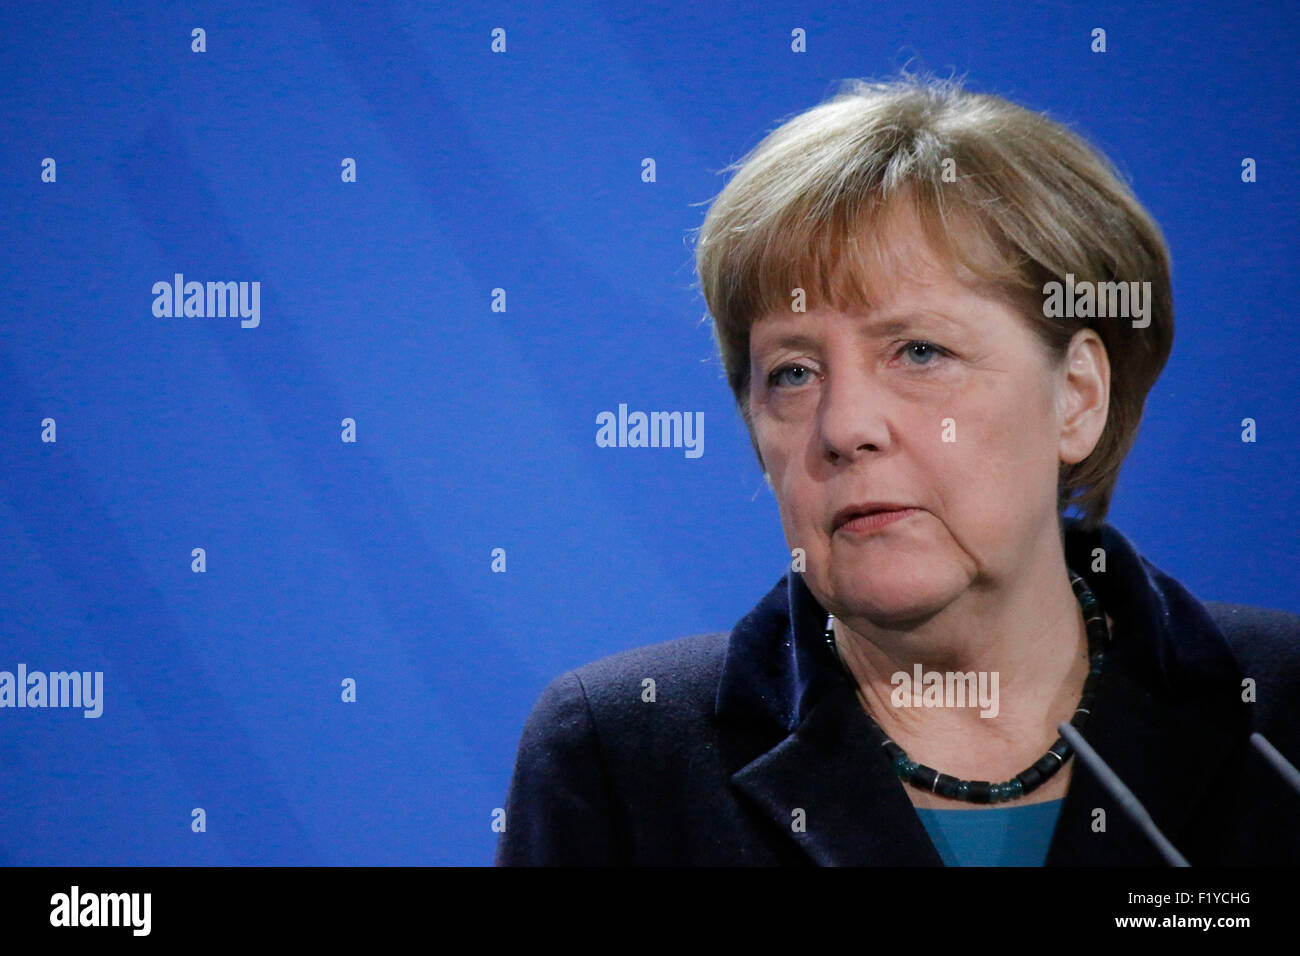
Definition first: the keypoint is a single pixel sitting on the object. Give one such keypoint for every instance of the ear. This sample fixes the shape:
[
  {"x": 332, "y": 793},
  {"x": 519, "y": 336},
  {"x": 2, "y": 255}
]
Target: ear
[{"x": 1083, "y": 396}]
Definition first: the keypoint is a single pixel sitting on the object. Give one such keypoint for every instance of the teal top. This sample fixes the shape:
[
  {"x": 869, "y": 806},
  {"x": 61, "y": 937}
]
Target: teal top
[{"x": 1002, "y": 836}]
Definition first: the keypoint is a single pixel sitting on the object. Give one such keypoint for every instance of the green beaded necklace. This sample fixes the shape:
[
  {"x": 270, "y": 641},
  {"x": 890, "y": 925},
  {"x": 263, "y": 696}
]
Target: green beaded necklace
[{"x": 1031, "y": 778}]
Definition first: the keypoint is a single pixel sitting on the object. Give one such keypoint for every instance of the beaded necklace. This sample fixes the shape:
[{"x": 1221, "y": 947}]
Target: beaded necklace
[{"x": 1034, "y": 776}]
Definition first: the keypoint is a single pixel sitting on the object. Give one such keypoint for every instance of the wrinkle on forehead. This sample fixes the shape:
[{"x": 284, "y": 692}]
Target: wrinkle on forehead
[{"x": 898, "y": 249}]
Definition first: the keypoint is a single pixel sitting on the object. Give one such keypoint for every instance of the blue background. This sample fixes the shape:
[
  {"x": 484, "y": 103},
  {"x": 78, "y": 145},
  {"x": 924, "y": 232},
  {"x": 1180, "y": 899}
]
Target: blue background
[{"x": 476, "y": 429}]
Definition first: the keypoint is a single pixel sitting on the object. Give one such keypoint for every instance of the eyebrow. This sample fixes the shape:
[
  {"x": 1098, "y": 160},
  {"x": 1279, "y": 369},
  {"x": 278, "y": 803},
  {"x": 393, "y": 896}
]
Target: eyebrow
[{"x": 885, "y": 326}]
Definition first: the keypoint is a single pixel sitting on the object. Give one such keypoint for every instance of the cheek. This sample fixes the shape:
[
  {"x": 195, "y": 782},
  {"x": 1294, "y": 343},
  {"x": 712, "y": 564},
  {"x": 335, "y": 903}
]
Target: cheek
[
  {"x": 798, "y": 503},
  {"x": 1004, "y": 453},
  {"x": 781, "y": 447},
  {"x": 795, "y": 501}
]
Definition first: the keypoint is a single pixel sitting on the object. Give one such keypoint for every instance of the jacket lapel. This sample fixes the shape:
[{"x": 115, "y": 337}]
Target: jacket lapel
[
  {"x": 855, "y": 812},
  {"x": 1168, "y": 714},
  {"x": 826, "y": 761},
  {"x": 1164, "y": 721},
  {"x": 1166, "y": 753}
]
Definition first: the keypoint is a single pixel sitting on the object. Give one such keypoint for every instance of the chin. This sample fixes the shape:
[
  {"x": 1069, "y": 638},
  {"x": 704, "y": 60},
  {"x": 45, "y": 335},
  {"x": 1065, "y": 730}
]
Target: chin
[{"x": 894, "y": 592}]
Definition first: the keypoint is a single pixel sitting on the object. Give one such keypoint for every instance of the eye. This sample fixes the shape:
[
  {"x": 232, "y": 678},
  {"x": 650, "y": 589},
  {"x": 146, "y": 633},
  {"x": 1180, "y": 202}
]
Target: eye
[
  {"x": 774, "y": 379},
  {"x": 922, "y": 352}
]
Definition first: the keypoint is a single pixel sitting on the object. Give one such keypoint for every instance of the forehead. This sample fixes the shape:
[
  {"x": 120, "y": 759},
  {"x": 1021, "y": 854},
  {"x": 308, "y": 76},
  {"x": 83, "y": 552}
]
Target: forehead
[
  {"x": 906, "y": 301},
  {"x": 896, "y": 247},
  {"x": 890, "y": 268}
]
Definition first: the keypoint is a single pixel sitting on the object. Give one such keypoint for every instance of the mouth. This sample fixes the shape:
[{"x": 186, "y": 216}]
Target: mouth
[{"x": 870, "y": 517}]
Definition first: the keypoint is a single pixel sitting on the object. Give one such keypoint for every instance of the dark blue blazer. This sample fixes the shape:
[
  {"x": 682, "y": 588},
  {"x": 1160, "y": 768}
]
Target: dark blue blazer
[{"x": 748, "y": 727}]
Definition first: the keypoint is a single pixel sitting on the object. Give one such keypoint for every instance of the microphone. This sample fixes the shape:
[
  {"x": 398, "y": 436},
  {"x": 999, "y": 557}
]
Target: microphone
[
  {"x": 1285, "y": 769},
  {"x": 1122, "y": 794}
]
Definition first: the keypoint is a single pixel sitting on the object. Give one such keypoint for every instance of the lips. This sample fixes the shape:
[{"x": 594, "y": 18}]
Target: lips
[{"x": 847, "y": 514}]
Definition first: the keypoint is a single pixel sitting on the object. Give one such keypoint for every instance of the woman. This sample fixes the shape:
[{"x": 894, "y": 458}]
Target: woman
[{"x": 917, "y": 299}]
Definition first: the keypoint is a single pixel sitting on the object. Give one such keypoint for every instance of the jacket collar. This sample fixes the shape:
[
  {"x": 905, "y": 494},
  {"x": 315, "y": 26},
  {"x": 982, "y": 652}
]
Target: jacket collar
[{"x": 1166, "y": 716}]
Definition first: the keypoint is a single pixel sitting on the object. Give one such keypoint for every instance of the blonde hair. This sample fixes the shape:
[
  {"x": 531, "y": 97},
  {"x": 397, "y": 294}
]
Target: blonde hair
[{"x": 1045, "y": 201}]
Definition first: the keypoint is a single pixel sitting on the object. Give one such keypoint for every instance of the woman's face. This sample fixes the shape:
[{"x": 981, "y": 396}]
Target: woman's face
[{"x": 939, "y": 399}]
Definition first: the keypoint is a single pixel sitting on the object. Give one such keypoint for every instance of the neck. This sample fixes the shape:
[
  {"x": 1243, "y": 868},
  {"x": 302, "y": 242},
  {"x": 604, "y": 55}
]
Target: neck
[{"x": 1024, "y": 631}]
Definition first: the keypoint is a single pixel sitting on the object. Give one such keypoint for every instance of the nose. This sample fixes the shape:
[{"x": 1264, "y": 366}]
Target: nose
[{"x": 854, "y": 419}]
